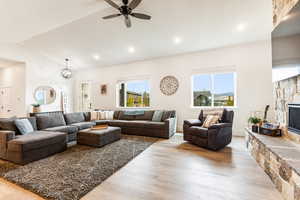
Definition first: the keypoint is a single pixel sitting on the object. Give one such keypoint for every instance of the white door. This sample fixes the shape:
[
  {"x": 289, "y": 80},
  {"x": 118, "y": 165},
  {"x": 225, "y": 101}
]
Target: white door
[
  {"x": 5, "y": 102},
  {"x": 85, "y": 97}
]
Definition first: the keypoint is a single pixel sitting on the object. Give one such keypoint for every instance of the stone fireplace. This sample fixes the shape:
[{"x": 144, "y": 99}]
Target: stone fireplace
[{"x": 286, "y": 92}]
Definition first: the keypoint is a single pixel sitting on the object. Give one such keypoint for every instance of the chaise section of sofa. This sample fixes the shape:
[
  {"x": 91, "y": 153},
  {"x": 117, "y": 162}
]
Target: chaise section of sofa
[{"x": 23, "y": 149}]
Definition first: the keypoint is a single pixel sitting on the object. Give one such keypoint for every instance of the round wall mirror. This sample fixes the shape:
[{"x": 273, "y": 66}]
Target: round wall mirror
[{"x": 44, "y": 95}]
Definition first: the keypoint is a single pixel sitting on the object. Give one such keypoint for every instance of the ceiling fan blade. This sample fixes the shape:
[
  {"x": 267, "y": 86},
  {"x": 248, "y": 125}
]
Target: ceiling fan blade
[
  {"x": 141, "y": 16},
  {"x": 111, "y": 16},
  {"x": 134, "y": 3},
  {"x": 127, "y": 21},
  {"x": 113, "y": 4}
]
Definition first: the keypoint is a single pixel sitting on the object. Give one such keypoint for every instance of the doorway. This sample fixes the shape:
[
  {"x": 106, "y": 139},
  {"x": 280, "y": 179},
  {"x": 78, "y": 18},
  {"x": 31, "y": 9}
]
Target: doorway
[{"x": 5, "y": 102}]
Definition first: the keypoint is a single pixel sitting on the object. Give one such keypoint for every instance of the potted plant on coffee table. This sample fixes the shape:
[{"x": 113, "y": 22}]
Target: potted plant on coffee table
[{"x": 255, "y": 121}]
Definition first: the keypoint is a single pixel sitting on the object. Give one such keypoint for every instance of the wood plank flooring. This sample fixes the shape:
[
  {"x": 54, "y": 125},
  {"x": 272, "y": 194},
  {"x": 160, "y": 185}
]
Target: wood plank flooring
[{"x": 175, "y": 170}]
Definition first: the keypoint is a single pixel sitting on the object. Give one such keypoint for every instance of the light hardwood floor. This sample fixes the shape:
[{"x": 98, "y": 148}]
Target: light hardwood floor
[{"x": 172, "y": 169}]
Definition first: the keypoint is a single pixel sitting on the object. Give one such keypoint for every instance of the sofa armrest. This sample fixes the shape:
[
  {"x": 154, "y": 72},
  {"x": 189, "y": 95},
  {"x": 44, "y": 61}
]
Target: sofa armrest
[
  {"x": 192, "y": 122},
  {"x": 5, "y": 137},
  {"x": 220, "y": 125},
  {"x": 172, "y": 125}
]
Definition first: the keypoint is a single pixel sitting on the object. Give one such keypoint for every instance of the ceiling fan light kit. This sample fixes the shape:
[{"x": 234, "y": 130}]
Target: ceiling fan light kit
[{"x": 126, "y": 10}]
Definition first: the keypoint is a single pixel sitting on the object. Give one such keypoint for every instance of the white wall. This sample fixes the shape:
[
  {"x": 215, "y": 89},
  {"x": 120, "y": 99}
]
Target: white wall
[
  {"x": 14, "y": 77},
  {"x": 40, "y": 71},
  {"x": 251, "y": 61}
]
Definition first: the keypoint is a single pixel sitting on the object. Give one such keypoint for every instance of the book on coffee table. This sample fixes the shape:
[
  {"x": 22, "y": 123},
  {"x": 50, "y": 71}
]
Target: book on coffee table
[{"x": 99, "y": 127}]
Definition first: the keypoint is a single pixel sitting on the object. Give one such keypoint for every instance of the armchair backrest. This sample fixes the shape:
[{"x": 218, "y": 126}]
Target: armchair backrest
[{"x": 228, "y": 116}]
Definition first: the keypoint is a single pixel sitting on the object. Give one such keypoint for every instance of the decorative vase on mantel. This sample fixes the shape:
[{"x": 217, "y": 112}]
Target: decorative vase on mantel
[{"x": 36, "y": 108}]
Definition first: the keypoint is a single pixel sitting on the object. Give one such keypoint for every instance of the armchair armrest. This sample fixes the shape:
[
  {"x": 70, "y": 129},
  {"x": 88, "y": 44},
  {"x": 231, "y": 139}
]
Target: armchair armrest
[
  {"x": 192, "y": 122},
  {"x": 220, "y": 125}
]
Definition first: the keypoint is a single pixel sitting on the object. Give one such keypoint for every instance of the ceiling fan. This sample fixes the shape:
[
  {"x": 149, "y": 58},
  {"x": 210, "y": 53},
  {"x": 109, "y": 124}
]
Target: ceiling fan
[{"x": 126, "y": 11}]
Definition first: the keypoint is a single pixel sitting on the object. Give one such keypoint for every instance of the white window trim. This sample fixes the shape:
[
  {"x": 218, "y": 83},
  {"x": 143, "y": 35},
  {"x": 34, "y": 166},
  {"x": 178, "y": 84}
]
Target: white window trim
[
  {"x": 125, "y": 98},
  {"x": 212, "y": 87}
]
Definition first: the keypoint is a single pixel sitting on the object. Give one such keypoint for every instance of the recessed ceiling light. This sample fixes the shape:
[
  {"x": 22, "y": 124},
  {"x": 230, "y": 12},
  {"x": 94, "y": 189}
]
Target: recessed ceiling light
[
  {"x": 131, "y": 49},
  {"x": 241, "y": 27},
  {"x": 177, "y": 40},
  {"x": 96, "y": 57}
]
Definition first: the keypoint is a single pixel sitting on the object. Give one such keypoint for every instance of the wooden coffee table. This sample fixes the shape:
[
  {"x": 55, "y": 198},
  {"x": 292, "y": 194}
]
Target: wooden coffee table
[{"x": 99, "y": 138}]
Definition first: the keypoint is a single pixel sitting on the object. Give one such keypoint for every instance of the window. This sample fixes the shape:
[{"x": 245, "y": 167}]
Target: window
[
  {"x": 134, "y": 94},
  {"x": 214, "y": 90}
]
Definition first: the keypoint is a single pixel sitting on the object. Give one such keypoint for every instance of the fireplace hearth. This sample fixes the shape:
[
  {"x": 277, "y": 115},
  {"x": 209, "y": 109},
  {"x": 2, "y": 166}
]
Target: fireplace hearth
[{"x": 294, "y": 118}]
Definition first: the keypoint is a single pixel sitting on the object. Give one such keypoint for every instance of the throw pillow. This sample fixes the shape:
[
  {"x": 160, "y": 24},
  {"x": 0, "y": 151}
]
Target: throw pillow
[
  {"x": 94, "y": 116},
  {"x": 210, "y": 120},
  {"x": 24, "y": 126},
  {"x": 157, "y": 116},
  {"x": 110, "y": 115}
]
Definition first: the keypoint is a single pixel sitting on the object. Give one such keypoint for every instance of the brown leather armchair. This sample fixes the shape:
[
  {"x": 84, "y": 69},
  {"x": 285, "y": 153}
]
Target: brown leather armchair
[{"x": 215, "y": 137}]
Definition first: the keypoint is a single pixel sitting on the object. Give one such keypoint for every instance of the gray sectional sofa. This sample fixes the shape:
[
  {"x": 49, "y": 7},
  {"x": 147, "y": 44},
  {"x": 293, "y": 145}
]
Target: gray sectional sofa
[{"x": 53, "y": 130}]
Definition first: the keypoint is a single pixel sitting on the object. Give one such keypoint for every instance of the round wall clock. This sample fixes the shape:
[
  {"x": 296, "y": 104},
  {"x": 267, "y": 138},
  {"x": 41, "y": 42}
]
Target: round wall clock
[{"x": 169, "y": 85}]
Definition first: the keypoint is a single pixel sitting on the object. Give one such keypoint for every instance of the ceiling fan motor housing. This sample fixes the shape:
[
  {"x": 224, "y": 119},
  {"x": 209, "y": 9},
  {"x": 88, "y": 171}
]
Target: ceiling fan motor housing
[{"x": 125, "y": 10}]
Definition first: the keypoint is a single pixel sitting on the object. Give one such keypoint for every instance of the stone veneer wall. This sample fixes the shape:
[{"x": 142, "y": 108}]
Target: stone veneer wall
[
  {"x": 281, "y": 9},
  {"x": 286, "y": 91},
  {"x": 280, "y": 159}
]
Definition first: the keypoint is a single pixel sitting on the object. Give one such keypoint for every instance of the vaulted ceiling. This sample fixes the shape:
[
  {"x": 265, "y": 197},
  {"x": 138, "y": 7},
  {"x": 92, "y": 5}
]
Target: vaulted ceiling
[{"x": 75, "y": 29}]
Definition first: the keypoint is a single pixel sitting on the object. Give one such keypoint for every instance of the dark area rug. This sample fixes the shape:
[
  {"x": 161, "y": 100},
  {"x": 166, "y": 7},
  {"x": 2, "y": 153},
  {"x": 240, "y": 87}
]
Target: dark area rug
[{"x": 72, "y": 174}]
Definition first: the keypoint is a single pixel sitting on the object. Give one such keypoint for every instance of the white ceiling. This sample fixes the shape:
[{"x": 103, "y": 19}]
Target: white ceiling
[
  {"x": 202, "y": 24},
  {"x": 21, "y": 20}
]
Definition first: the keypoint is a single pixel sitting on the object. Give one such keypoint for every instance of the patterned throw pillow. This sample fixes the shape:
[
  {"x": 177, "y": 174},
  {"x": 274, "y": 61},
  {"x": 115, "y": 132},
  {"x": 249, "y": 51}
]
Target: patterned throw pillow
[
  {"x": 210, "y": 120},
  {"x": 94, "y": 116},
  {"x": 102, "y": 115}
]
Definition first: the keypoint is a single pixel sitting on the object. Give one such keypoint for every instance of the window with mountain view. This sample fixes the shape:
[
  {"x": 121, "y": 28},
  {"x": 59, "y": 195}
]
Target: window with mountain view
[
  {"x": 134, "y": 94},
  {"x": 214, "y": 90}
]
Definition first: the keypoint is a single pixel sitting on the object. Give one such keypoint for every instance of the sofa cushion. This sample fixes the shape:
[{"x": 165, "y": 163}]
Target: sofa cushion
[
  {"x": 137, "y": 124},
  {"x": 117, "y": 123},
  {"x": 84, "y": 125},
  {"x": 24, "y": 126},
  {"x": 44, "y": 122},
  {"x": 116, "y": 114},
  {"x": 167, "y": 115},
  {"x": 36, "y": 140},
  {"x": 146, "y": 116},
  {"x": 123, "y": 116},
  {"x": 65, "y": 129},
  {"x": 157, "y": 116},
  {"x": 8, "y": 124},
  {"x": 72, "y": 118},
  {"x": 198, "y": 131}
]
